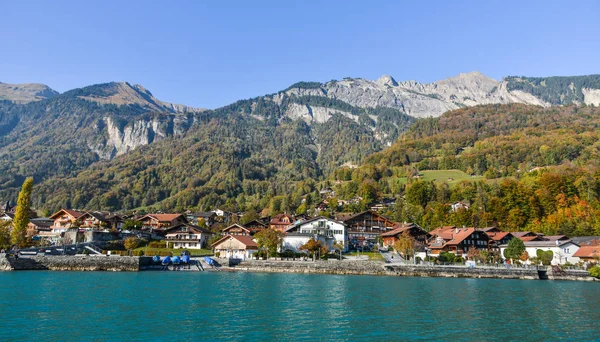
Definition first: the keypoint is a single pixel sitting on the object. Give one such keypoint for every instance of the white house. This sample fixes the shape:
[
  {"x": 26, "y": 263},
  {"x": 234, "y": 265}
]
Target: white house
[
  {"x": 563, "y": 250},
  {"x": 454, "y": 207},
  {"x": 188, "y": 236},
  {"x": 326, "y": 230},
  {"x": 235, "y": 246}
]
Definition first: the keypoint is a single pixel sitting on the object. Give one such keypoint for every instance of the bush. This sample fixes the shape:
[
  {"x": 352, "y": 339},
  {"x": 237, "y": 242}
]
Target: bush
[
  {"x": 157, "y": 244},
  {"x": 595, "y": 271},
  {"x": 217, "y": 254}
]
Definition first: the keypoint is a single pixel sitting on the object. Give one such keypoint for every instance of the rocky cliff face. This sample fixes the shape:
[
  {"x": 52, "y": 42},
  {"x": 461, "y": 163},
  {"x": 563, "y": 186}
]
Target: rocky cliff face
[
  {"x": 25, "y": 93},
  {"x": 419, "y": 99},
  {"x": 121, "y": 138}
]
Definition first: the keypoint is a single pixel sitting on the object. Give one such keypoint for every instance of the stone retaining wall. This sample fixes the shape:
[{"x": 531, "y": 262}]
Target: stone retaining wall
[
  {"x": 379, "y": 268},
  {"x": 324, "y": 267},
  {"x": 74, "y": 263}
]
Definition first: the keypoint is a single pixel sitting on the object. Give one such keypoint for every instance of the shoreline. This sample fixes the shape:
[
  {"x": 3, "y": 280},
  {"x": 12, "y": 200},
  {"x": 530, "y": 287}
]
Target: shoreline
[{"x": 344, "y": 267}]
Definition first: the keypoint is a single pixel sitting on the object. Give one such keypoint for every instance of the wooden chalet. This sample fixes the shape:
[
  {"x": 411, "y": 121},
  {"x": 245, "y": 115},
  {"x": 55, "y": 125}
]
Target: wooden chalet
[
  {"x": 528, "y": 236},
  {"x": 498, "y": 238},
  {"x": 93, "y": 220},
  {"x": 209, "y": 217},
  {"x": 37, "y": 225},
  {"x": 65, "y": 219},
  {"x": 161, "y": 222},
  {"x": 236, "y": 229},
  {"x": 281, "y": 222},
  {"x": 420, "y": 235},
  {"x": 255, "y": 226},
  {"x": 186, "y": 235},
  {"x": 367, "y": 225},
  {"x": 457, "y": 240}
]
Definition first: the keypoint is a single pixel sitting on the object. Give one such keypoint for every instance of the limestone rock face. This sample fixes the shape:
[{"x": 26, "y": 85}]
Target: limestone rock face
[
  {"x": 422, "y": 99},
  {"x": 120, "y": 139}
]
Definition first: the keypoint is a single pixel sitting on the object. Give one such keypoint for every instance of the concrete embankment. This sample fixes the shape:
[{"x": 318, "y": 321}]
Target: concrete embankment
[{"x": 379, "y": 268}]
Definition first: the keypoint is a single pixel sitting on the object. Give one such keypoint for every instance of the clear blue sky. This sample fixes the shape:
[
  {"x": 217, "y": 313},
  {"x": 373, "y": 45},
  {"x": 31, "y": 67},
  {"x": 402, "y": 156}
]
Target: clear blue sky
[{"x": 209, "y": 54}]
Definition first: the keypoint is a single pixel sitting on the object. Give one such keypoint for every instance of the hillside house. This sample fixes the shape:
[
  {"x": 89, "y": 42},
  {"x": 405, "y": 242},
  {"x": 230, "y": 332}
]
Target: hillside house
[
  {"x": 209, "y": 217},
  {"x": 236, "y": 229},
  {"x": 37, "y": 225},
  {"x": 323, "y": 229},
  {"x": 65, "y": 219},
  {"x": 281, "y": 222},
  {"x": 188, "y": 236},
  {"x": 367, "y": 225},
  {"x": 255, "y": 226},
  {"x": 161, "y": 222},
  {"x": 420, "y": 235}
]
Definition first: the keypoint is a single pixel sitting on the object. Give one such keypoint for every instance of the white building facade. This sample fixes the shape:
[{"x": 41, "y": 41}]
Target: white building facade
[
  {"x": 323, "y": 229},
  {"x": 562, "y": 250}
]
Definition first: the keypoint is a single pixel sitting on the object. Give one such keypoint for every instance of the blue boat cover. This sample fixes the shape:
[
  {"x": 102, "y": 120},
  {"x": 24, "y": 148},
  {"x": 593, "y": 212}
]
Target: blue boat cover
[
  {"x": 209, "y": 261},
  {"x": 176, "y": 260},
  {"x": 166, "y": 260},
  {"x": 186, "y": 259},
  {"x": 156, "y": 258}
]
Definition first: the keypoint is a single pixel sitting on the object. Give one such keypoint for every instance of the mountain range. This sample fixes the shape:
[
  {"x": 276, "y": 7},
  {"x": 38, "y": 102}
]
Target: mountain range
[{"x": 114, "y": 145}]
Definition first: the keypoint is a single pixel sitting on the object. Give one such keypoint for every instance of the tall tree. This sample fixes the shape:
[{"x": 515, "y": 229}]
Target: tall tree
[
  {"x": 515, "y": 249},
  {"x": 19, "y": 233},
  {"x": 405, "y": 245},
  {"x": 269, "y": 239}
]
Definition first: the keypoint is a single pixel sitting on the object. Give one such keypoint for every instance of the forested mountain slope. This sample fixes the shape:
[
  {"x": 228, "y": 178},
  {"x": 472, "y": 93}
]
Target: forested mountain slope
[{"x": 541, "y": 168}]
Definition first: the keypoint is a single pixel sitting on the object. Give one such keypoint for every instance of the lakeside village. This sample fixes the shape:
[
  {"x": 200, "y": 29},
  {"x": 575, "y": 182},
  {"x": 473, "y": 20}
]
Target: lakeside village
[{"x": 369, "y": 233}]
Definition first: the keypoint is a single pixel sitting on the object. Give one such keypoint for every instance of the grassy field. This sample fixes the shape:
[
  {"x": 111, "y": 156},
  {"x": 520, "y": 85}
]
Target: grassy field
[
  {"x": 372, "y": 255},
  {"x": 451, "y": 177}
]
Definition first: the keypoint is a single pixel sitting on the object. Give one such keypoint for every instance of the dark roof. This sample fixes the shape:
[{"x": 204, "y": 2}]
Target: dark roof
[
  {"x": 401, "y": 228},
  {"x": 545, "y": 243},
  {"x": 234, "y": 226},
  {"x": 190, "y": 227},
  {"x": 586, "y": 240}
]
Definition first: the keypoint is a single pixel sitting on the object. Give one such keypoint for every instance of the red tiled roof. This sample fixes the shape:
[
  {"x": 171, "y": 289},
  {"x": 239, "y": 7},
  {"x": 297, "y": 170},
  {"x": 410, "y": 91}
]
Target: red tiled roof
[
  {"x": 460, "y": 235},
  {"x": 445, "y": 233},
  {"x": 527, "y": 238},
  {"x": 497, "y": 236},
  {"x": 588, "y": 252}
]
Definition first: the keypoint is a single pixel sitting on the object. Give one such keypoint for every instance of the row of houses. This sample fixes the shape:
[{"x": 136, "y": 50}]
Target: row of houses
[{"x": 345, "y": 229}]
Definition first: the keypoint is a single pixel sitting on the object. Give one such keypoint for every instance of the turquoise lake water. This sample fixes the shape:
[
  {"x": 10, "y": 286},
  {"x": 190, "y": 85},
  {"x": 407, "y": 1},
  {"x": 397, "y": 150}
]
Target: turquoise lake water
[{"x": 182, "y": 306}]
